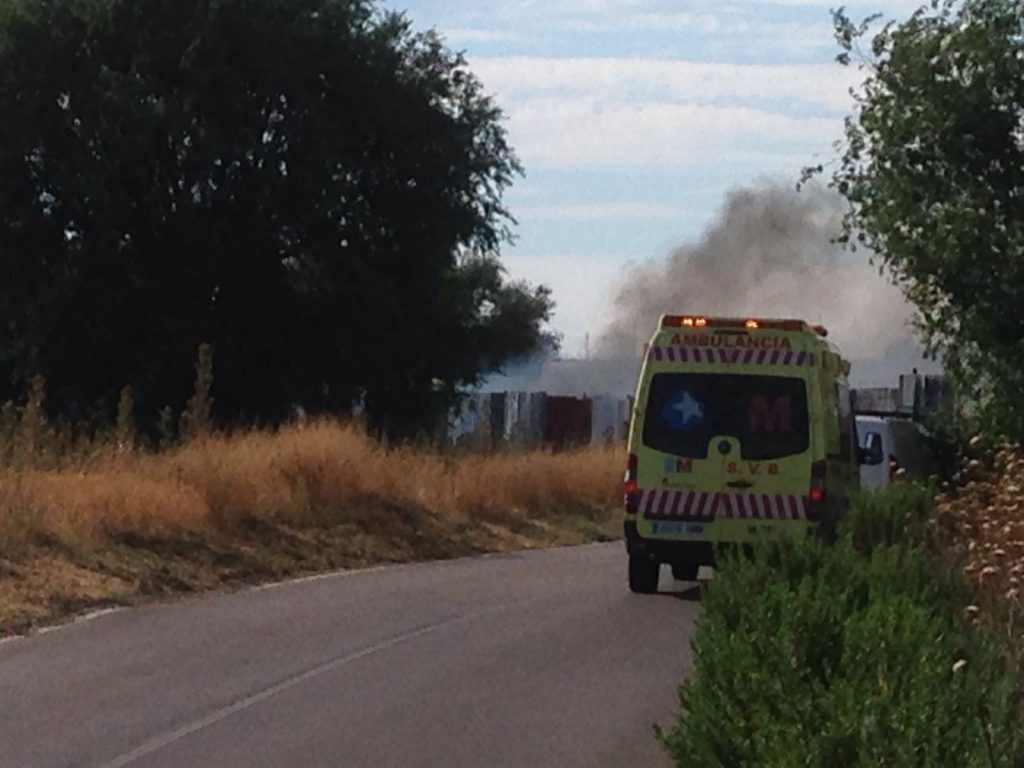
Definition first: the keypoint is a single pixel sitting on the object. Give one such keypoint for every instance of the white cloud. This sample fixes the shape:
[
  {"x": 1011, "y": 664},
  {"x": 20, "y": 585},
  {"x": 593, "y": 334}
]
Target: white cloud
[
  {"x": 702, "y": 22},
  {"x": 781, "y": 38},
  {"x": 823, "y": 86},
  {"x": 675, "y": 21},
  {"x": 625, "y": 210},
  {"x": 717, "y": 29},
  {"x": 573, "y": 133},
  {"x": 616, "y": 7},
  {"x": 472, "y": 35},
  {"x": 891, "y": 7},
  {"x": 627, "y": 10},
  {"x": 649, "y": 113},
  {"x": 749, "y": 24}
]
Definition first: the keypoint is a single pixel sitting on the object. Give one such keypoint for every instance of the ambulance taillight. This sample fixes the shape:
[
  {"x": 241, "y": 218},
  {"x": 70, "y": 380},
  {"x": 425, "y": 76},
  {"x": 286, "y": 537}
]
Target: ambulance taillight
[
  {"x": 630, "y": 487},
  {"x": 816, "y": 495}
]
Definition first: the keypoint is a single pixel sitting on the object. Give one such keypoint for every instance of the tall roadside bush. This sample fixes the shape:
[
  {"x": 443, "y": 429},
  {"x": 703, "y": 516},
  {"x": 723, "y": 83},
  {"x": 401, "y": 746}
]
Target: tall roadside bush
[{"x": 855, "y": 655}]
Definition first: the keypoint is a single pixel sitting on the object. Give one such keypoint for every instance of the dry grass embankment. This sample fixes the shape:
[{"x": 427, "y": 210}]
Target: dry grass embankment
[
  {"x": 111, "y": 528},
  {"x": 982, "y": 512}
]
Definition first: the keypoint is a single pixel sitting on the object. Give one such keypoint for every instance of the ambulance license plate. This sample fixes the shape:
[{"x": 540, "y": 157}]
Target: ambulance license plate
[{"x": 677, "y": 528}]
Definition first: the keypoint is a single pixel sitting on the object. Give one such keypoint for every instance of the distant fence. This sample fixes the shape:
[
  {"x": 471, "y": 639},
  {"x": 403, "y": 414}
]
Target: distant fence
[
  {"x": 916, "y": 397},
  {"x": 537, "y": 419},
  {"x": 495, "y": 419}
]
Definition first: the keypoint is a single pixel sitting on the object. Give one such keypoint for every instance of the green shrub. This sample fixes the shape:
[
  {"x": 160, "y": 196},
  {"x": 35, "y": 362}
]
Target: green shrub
[
  {"x": 846, "y": 656},
  {"x": 896, "y": 515}
]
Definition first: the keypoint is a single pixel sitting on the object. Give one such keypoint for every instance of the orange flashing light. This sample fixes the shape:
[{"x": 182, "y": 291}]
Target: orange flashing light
[
  {"x": 750, "y": 324},
  {"x": 684, "y": 321}
]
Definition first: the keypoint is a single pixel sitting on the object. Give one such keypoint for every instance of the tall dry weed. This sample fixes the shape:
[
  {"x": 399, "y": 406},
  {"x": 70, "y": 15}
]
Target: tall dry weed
[
  {"x": 9, "y": 421},
  {"x": 165, "y": 429},
  {"x": 124, "y": 430},
  {"x": 195, "y": 419},
  {"x": 30, "y": 434}
]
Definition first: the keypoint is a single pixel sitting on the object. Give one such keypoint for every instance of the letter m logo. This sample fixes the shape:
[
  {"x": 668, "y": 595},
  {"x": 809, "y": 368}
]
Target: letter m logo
[{"x": 778, "y": 417}]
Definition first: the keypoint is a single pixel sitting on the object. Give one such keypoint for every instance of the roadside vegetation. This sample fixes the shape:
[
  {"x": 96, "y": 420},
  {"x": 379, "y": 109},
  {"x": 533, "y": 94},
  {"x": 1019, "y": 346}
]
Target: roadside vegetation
[
  {"x": 877, "y": 651},
  {"x": 87, "y": 521}
]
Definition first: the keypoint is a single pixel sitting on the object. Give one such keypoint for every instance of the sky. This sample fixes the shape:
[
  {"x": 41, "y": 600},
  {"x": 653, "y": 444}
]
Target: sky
[{"x": 634, "y": 118}]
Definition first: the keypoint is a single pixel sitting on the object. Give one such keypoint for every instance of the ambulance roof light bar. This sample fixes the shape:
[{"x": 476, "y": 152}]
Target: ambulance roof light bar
[{"x": 750, "y": 324}]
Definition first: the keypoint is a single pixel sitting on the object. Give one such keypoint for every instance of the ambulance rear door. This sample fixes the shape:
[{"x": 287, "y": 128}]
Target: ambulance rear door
[{"x": 735, "y": 442}]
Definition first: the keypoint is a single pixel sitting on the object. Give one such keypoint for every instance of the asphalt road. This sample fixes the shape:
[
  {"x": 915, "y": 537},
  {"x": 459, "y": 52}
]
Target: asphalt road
[{"x": 534, "y": 659}]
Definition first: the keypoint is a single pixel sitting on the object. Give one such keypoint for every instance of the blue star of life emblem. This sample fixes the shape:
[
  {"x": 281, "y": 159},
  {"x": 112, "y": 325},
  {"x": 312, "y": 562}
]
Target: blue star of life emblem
[{"x": 683, "y": 412}]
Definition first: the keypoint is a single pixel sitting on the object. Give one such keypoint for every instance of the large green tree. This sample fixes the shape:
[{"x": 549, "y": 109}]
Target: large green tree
[
  {"x": 933, "y": 168},
  {"x": 310, "y": 186}
]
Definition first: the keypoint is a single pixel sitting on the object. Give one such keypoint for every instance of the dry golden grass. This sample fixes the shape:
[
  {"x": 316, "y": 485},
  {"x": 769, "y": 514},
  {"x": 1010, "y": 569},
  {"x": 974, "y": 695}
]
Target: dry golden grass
[
  {"x": 299, "y": 474},
  {"x": 240, "y": 507},
  {"x": 984, "y": 514}
]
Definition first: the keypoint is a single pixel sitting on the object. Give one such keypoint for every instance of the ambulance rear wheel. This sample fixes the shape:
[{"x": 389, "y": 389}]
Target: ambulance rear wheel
[
  {"x": 685, "y": 571},
  {"x": 643, "y": 575}
]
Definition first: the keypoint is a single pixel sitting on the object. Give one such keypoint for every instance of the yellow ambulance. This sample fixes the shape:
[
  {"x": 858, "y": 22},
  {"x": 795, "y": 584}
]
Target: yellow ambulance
[{"x": 742, "y": 431}]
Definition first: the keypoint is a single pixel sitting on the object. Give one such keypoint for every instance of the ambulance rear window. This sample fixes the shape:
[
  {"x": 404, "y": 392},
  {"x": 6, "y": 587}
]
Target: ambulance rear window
[{"x": 766, "y": 414}]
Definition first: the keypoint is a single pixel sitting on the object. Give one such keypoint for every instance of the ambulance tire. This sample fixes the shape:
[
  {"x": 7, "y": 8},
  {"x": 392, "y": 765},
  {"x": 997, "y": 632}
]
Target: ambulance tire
[
  {"x": 685, "y": 571},
  {"x": 643, "y": 575}
]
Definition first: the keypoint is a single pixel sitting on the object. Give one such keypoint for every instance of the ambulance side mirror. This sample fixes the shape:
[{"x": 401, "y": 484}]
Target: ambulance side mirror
[{"x": 871, "y": 452}]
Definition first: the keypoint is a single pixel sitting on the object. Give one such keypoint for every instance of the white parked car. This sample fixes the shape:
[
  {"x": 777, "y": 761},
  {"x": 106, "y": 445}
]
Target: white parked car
[{"x": 889, "y": 444}]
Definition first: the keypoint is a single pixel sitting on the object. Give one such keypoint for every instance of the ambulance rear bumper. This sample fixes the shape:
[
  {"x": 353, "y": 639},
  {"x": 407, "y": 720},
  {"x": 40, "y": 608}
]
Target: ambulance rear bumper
[{"x": 664, "y": 551}]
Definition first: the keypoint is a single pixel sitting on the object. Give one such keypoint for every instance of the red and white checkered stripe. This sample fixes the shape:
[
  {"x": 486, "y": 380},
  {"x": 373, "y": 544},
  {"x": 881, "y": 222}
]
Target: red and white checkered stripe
[
  {"x": 730, "y": 356},
  {"x": 668, "y": 504}
]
